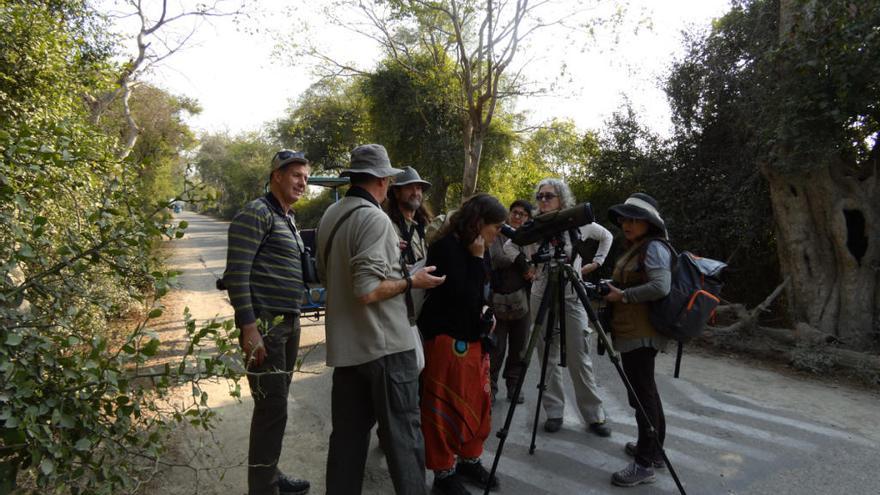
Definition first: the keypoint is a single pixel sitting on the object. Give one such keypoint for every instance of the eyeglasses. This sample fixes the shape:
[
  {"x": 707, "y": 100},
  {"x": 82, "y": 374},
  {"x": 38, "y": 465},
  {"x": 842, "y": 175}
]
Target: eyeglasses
[
  {"x": 545, "y": 196},
  {"x": 519, "y": 214}
]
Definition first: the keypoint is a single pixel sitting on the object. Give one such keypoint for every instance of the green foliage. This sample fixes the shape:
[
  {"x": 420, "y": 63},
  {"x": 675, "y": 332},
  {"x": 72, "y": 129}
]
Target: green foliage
[
  {"x": 309, "y": 210},
  {"x": 237, "y": 169},
  {"x": 416, "y": 113},
  {"x": 80, "y": 409},
  {"x": 164, "y": 138},
  {"x": 822, "y": 104},
  {"x": 327, "y": 121},
  {"x": 415, "y": 116}
]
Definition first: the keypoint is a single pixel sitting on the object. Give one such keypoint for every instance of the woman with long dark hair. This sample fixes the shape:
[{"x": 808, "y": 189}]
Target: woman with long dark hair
[
  {"x": 641, "y": 275},
  {"x": 456, "y": 325}
]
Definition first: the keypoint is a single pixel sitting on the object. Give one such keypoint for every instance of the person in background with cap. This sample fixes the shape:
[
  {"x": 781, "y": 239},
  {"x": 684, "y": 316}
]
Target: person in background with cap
[
  {"x": 642, "y": 274},
  {"x": 370, "y": 342},
  {"x": 405, "y": 206},
  {"x": 264, "y": 279}
]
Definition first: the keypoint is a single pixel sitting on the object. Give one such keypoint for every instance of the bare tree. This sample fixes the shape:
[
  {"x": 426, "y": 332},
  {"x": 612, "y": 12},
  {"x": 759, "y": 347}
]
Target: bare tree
[
  {"x": 482, "y": 37},
  {"x": 154, "y": 43}
]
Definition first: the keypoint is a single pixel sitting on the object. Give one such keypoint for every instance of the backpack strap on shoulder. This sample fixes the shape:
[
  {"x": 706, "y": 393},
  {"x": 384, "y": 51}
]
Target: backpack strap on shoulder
[
  {"x": 574, "y": 235},
  {"x": 271, "y": 224},
  {"x": 644, "y": 250},
  {"x": 339, "y": 223},
  {"x": 407, "y": 233}
]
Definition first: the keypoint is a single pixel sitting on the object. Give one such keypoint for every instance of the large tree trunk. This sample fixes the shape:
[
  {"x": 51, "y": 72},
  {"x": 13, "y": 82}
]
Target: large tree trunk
[
  {"x": 438, "y": 195},
  {"x": 828, "y": 236}
]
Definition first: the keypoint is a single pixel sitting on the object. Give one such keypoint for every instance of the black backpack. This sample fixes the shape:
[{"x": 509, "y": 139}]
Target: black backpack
[
  {"x": 693, "y": 296},
  {"x": 692, "y": 299}
]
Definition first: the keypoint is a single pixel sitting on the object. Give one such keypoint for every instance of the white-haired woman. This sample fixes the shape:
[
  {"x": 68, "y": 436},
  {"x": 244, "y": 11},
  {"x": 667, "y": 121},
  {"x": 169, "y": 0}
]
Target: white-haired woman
[{"x": 552, "y": 195}]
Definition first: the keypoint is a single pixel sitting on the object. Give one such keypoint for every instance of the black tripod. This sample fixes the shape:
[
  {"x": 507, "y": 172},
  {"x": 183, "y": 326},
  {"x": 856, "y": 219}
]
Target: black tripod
[{"x": 555, "y": 296}]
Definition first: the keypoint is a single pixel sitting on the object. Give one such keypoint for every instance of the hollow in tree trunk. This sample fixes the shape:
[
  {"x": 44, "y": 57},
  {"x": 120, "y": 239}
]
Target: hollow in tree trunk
[{"x": 828, "y": 235}]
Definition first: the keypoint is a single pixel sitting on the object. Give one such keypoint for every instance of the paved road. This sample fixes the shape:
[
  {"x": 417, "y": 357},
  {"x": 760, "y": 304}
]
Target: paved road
[
  {"x": 718, "y": 443},
  {"x": 731, "y": 428}
]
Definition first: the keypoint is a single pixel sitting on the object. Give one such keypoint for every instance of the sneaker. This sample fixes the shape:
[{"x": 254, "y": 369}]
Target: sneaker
[
  {"x": 630, "y": 449},
  {"x": 600, "y": 429},
  {"x": 633, "y": 475},
  {"x": 477, "y": 474},
  {"x": 292, "y": 486},
  {"x": 552, "y": 425},
  {"x": 450, "y": 485}
]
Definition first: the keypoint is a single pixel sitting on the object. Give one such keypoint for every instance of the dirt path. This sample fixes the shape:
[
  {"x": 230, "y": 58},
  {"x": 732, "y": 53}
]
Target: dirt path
[{"x": 222, "y": 453}]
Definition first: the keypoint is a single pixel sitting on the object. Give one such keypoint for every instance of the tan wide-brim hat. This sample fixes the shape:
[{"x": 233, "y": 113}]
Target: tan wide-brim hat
[
  {"x": 370, "y": 159},
  {"x": 410, "y": 176}
]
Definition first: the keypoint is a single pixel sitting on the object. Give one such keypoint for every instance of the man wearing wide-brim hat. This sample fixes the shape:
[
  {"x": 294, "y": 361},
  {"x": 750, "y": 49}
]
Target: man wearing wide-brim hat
[
  {"x": 406, "y": 208},
  {"x": 370, "y": 342}
]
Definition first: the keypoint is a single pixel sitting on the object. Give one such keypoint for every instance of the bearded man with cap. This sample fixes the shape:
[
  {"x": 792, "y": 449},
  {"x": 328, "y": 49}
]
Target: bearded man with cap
[
  {"x": 405, "y": 206},
  {"x": 264, "y": 279},
  {"x": 642, "y": 274},
  {"x": 370, "y": 342}
]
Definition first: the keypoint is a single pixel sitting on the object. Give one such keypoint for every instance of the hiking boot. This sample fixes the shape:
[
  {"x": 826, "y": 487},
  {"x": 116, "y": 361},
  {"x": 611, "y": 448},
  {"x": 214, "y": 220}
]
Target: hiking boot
[
  {"x": 630, "y": 449},
  {"x": 292, "y": 486},
  {"x": 552, "y": 425},
  {"x": 477, "y": 474},
  {"x": 450, "y": 485},
  {"x": 633, "y": 475},
  {"x": 600, "y": 429}
]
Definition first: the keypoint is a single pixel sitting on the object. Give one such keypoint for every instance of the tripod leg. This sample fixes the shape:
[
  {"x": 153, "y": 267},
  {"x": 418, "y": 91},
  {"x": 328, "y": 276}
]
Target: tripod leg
[
  {"x": 560, "y": 290},
  {"x": 615, "y": 359},
  {"x": 548, "y": 342}
]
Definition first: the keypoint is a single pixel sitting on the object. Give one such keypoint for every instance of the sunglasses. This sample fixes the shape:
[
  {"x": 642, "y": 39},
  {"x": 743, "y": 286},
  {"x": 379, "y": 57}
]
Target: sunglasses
[
  {"x": 285, "y": 155},
  {"x": 545, "y": 196}
]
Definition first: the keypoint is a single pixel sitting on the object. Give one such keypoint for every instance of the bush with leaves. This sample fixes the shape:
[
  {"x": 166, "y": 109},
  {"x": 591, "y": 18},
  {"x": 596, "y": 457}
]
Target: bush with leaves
[{"x": 81, "y": 406}]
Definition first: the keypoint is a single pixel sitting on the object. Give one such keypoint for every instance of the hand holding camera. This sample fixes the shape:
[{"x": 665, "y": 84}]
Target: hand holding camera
[{"x": 614, "y": 294}]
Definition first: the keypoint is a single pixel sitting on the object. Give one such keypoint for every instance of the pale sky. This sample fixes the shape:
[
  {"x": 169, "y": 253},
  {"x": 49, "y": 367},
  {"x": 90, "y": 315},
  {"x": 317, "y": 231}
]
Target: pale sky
[{"x": 241, "y": 83}]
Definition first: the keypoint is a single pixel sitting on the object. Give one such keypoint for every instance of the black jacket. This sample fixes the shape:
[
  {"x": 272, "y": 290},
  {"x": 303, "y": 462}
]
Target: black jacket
[{"x": 454, "y": 307}]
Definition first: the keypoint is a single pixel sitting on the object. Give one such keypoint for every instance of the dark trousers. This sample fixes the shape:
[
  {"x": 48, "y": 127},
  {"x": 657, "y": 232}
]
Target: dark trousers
[
  {"x": 270, "y": 405},
  {"x": 639, "y": 368},
  {"x": 383, "y": 390},
  {"x": 510, "y": 339}
]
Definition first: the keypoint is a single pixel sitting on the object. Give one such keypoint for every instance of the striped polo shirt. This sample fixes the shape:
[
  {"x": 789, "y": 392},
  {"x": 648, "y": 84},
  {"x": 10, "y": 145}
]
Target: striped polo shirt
[{"x": 263, "y": 277}]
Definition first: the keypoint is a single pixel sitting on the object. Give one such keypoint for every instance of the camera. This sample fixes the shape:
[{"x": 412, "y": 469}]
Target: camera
[
  {"x": 597, "y": 291},
  {"x": 487, "y": 318},
  {"x": 549, "y": 248}
]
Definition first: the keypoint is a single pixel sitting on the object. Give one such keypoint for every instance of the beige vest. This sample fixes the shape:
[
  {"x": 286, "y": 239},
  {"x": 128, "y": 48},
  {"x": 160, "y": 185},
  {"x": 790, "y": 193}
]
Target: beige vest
[{"x": 630, "y": 321}]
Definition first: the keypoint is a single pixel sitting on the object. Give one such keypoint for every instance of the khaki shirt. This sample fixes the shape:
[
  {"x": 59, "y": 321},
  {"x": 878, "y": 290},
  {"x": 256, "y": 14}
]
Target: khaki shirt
[{"x": 365, "y": 252}]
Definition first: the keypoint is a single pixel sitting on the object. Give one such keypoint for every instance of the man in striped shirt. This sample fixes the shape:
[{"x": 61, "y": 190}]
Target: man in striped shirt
[{"x": 264, "y": 278}]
